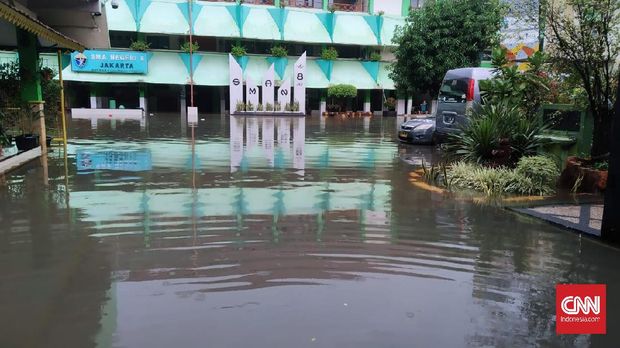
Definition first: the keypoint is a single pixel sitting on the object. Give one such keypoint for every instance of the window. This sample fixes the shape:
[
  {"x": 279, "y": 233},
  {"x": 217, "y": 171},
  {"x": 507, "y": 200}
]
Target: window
[
  {"x": 417, "y": 3},
  {"x": 454, "y": 91}
]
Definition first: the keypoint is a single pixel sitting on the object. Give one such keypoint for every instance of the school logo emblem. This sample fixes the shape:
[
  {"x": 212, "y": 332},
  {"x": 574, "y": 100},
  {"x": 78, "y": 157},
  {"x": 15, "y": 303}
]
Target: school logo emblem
[{"x": 80, "y": 60}]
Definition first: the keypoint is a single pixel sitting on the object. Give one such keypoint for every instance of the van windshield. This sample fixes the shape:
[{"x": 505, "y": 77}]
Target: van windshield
[{"x": 454, "y": 91}]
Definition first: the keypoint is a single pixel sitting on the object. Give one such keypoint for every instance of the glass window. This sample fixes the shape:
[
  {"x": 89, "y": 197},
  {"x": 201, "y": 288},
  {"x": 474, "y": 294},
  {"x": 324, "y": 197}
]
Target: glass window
[
  {"x": 417, "y": 3},
  {"x": 454, "y": 91}
]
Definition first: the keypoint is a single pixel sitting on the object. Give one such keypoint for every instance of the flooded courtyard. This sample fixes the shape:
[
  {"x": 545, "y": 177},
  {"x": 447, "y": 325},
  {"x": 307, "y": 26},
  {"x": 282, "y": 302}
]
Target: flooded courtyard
[{"x": 272, "y": 232}]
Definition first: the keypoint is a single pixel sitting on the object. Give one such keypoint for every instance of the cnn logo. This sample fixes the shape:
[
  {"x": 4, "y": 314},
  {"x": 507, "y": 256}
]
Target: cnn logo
[
  {"x": 575, "y": 305},
  {"x": 581, "y": 309}
]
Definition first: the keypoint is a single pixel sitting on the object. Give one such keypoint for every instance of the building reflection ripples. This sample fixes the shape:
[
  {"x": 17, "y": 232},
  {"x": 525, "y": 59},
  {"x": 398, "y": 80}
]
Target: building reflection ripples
[{"x": 274, "y": 232}]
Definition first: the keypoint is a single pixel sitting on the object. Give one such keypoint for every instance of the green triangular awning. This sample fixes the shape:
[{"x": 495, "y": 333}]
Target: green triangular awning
[
  {"x": 279, "y": 16},
  {"x": 243, "y": 61},
  {"x": 184, "y": 7},
  {"x": 372, "y": 68},
  {"x": 195, "y": 60},
  {"x": 326, "y": 66},
  {"x": 279, "y": 63},
  {"x": 240, "y": 14},
  {"x": 375, "y": 23},
  {"x": 137, "y": 8},
  {"x": 329, "y": 22}
]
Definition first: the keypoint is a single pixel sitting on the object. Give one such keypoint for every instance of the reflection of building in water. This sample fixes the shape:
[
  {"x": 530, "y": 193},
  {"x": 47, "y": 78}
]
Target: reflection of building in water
[{"x": 267, "y": 138}]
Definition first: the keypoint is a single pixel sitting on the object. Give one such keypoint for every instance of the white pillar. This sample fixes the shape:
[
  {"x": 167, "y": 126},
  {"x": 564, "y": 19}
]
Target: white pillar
[
  {"x": 183, "y": 101},
  {"x": 410, "y": 106},
  {"x": 143, "y": 103},
  {"x": 401, "y": 106},
  {"x": 93, "y": 102},
  {"x": 322, "y": 107},
  {"x": 366, "y": 106}
]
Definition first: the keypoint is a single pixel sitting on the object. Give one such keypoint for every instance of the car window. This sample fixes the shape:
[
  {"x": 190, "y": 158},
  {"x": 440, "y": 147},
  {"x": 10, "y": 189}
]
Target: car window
[{"x": 454, "y": 91}]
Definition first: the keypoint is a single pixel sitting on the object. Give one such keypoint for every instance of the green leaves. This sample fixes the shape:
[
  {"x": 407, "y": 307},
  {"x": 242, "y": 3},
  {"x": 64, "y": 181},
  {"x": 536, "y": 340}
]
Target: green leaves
[
  {"x": 440, "y": 36},
  {"x": 342, "y": 91}
]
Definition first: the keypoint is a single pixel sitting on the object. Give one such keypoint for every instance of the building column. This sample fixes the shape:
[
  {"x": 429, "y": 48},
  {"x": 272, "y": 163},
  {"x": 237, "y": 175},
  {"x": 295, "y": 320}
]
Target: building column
[
  {"x": 371, "y": 6},
  {"x": 183, "y": 101},
  {"x": 323, "y": 104},
  {"x": 405, "y": 7},
  {"x": 142, "y": 90},
  {"x": 222, "y": 100},
  {"x": 93, "y": 97},
  {"x": 401, "y": 106},
  {"x": 367, "y": 100},
  {"x": 325, "y": 5},
  {"x": 276, "y": 3},
  {"x": 409, "y": 105},
  {"x": 31, "y": 79},
  {"x": 610, "y": 230}
]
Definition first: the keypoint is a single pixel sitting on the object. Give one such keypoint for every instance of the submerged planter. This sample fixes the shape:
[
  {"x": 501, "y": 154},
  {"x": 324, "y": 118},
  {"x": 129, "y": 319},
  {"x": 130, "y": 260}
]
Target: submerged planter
[
  {"x": 26, "y": 142},
  {"x": 389, "y": 113},
  {"x": 592, "y": 180}
]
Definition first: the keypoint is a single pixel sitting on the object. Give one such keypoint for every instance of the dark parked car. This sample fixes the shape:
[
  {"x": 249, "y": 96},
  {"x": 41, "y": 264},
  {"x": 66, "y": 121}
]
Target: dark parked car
[{"x": 418, "y": 131}]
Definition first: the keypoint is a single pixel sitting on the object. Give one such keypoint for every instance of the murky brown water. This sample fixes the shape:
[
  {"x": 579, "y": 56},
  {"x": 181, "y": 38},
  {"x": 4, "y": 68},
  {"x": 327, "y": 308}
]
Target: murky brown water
[{"x": 275, "y": 233}]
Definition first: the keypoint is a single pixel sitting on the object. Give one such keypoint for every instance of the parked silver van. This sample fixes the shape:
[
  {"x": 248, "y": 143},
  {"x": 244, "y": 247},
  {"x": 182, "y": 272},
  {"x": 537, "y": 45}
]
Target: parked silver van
[{"x": 459, "y": 92}]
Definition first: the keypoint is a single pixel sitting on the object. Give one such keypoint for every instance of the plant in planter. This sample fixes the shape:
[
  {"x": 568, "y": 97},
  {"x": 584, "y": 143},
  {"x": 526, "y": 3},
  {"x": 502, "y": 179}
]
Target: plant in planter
[
  {"x": 329, "y": 53},
  {"x": 139, "y": 45},
  {"x": 375, "y": 57},
  {"x": 259, "y": 107},
  {"x": 331, "y": 9},
  {"x": 287, "y": 107},
  {"x": 278, "y": 107},
  {"x": 341, "y": 94},
  {"x": 240, "y": 106},
  {"x": 279, "y": 51},
  {"x": 249, "y": 106},
  {"x": 185, "y": 47},
  {"x": 295, "y": 107},
  {"x": 26, "y": 122},
  {"x": 269, "y": 107},
  {"x": 380, "y": 13},
  {"x": 238, "y": 51}
]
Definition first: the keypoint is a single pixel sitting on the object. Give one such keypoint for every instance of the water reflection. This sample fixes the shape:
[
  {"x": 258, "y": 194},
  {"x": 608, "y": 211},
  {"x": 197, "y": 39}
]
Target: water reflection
[{"x": 244, "y": 225}]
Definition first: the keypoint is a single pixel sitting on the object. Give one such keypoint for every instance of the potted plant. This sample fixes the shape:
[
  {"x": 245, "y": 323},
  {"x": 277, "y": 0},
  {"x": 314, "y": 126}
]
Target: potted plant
[
  {"x": 279, "y": 51},
  {"x": 249, "y": 106},
  {"x": 238, "y": 50},
  {"x": 240, "y": 106},
  {"x": 341, "y": 94},
  {"x": 259, "y": 107},
  {"x": 295, "y": 106},
  {"x": 186, "y": 46},
  {"x": 390, "y": 104},
  {"x": 375, "y": 57},
  {"x": 139, "y": 45},
  {"x": 26, "y": 119},
  {"x": 269, "y": 107},
  {"x": 329, "y": 53}
]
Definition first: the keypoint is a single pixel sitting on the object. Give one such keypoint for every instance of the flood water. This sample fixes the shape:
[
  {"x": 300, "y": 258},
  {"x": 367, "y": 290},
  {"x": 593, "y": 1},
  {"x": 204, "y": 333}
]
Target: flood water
[{"x": 263, "y": 232}]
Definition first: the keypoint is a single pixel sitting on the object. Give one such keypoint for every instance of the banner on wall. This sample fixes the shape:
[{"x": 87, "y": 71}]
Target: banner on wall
[
  {"x": 299, "y": 82},
  {"x": 268, "y": 87},
  {"x": 235, "y": 82},
  {"x": 110, "y": 62}
]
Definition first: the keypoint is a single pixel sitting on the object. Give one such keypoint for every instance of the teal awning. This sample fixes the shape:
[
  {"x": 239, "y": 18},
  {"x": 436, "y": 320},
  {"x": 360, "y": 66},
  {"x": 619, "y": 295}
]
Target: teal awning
[
  {"x": 231, "y": 20},
  {"x": 211, "y": 69}
]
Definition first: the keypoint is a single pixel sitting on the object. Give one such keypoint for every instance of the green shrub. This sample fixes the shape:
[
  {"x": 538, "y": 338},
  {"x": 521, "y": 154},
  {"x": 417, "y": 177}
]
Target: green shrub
[
  {"x": 240, "y": 106},
  {"x": 238, "y": 51},
  {"x": 279, "y": 51},
  {"x": 249, "y": 106},
  {"x": 497, "y": 134},
  {"x": 498, "y": 181},
  {"x": 375, "y": 56},
  {"x": 185, "y": 47},
  {"x": 342, "y": 91},
  {"x": 542, "y": 170},
  {"x": 139, "y": 46},
  {"x": 295, "y": 106},
  {"x": 329, "y": 53},
  {"x": 269, "y": 107},
  {"x": 259, "y": 107}
]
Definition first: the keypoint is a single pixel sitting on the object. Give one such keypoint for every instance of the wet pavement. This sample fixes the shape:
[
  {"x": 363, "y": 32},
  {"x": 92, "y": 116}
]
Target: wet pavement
[{"x": 272, "y": 232}]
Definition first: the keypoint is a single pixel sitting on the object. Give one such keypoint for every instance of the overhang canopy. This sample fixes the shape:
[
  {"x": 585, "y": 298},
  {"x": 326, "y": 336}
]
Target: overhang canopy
[{"x": 34, "y": 26}]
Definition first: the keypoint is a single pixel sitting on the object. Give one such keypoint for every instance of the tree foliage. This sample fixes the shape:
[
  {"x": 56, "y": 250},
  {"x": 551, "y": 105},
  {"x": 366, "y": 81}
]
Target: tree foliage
[
  {"x": 584, "y": 38},
  {"x": 440, "y": 36}
]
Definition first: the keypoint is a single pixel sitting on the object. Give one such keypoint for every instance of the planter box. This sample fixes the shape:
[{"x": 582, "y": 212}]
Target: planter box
[
  {"x": 389, "y": 113},
  {"x": 26, "y": 142},
  {"x": 592, "y": 180},
  {"x": 267, "y": 113}
]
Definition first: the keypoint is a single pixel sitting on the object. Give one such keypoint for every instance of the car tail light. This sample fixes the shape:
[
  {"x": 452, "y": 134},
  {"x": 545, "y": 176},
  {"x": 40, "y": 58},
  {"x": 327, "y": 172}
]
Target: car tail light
[{"x": 470, "y": 90}]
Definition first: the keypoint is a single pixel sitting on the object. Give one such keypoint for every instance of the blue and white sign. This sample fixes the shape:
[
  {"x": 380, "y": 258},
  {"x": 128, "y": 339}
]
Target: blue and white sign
[
  {"x": 129, "y": 161},
  {"x": 117, "y": 62}
]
